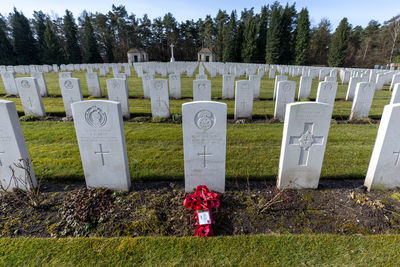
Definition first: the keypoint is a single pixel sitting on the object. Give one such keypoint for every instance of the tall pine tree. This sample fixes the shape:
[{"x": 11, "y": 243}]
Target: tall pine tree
[
  {"x": 302, "y": 38},
  {"x": 7, "y": 55},
  {"x": 262, "y": 34},
  {"x": 239, "y": 41},
  {"x": 92, "y": 54},
  {"x": 24, "y": 43},
  {"x": 52, "y": 52},
  {"x": 338, "y": 48},
  {"x": 272, "y": 49},
  {"x": 220, "y": 21},
  {"x": 71, "y": 39},
  {"x": 39, "y": 23},
  {"x": 249, "y": 47},
  {"x": 229, "y": 54},
  {"x": 287, "y": 36}
]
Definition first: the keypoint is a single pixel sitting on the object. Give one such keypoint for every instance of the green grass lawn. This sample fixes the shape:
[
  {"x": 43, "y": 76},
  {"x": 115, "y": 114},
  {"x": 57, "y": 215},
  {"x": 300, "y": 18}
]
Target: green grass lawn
[
  {"x": 155, "y": 150},
  {"x": 141, "y": 107},
  {"x": 259, "y": 250}
]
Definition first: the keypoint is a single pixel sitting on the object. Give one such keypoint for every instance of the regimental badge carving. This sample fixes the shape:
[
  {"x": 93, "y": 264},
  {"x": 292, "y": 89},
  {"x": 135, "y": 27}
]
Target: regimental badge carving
[
  {"x": 204, "y": 119},
  {"x": 25, "y": 84},
  {"x": 244, "y": 86},
  {"x": 201, "y": 86},
  {"x": 68, "y": 84},
  {"x": 158, "y": 85},
  {"x": 95, "y": 117},
  {"x": 173, "y": 77},
  {"x": 286, "y": 87},
  {"x": 328, "y": 86}
]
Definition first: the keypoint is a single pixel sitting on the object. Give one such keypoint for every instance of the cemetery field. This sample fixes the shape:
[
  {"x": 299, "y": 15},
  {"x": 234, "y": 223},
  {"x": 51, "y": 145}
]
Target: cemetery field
[
  {"x": 140, "y": 107},
  {"x": 155, "y": 150},
  {"x": 259, "y": 250}
]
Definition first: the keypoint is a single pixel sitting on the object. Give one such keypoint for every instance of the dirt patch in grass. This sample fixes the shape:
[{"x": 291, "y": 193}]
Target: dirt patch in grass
[{"x": 156, "y": 209}]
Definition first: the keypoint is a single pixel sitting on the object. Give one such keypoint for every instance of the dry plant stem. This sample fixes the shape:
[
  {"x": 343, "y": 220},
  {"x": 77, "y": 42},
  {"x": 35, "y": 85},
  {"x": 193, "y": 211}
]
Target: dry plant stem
[
  {"x": 32, "y": 193},
  {"x": 275, "y": 199}
]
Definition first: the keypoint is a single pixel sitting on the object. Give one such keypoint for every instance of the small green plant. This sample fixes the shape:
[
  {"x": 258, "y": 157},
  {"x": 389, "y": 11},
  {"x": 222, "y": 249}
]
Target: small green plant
[
  {"x": 28, "y": 118},
  {"x": 158, "y": 119}
]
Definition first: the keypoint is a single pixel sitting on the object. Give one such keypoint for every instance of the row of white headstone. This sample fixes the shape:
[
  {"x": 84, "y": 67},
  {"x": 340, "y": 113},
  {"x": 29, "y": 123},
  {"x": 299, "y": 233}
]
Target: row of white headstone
[{"x": 101, "y": 139}]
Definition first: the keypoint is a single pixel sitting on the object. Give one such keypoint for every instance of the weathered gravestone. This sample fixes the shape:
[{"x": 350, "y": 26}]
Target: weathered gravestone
[
  {"x": 285, "y": 95},
  {"x": 175, "y": 86},
  {"x": 117, "y": 90},
  {"x": 228, "y": 86},
  {"x": 201, "y": 77},
  {"x": 93, "y": 84},
  {"x": 12, "y": 149},
  {"x": 201, "y": 90},
  {"x": 204, "y": 141},
  {"x": 278, "y": 79},
  {"x": 71, "y": 92},
  {"x": 327, "y": 92},
  {"x": 362, "y": 100},
  {"x": 159, "y": 98},
  {"x": 255, "y": 80},
  {"x": 304, "y": 87},
  {"x": 305, "y": 133},
  {"x": 30, "y": 96},
  {"x": 41, "y": 82},
  {"x": 10, "y": 86},
  {"x": 330, "y": 79},
  {"x": 384, "y": 166},
  {"x": 64, "y": 75},
  {"x": 243, "y": 100},
  {"x": 395, "y": 99},
  {"x": 395, "y": 80},
  {"x": 351, "y": 89},
  {"x": 146, "y": 78},
  {"x": 101, "y": 139}
]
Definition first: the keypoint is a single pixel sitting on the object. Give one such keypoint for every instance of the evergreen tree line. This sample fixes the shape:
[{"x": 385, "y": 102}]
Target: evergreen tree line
[{"x": 277, "y": 35}]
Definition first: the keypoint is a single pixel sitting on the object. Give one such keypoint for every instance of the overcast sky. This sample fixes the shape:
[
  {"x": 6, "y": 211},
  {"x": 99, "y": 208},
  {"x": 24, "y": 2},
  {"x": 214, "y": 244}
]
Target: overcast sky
[{"x": 359, "y": 12}]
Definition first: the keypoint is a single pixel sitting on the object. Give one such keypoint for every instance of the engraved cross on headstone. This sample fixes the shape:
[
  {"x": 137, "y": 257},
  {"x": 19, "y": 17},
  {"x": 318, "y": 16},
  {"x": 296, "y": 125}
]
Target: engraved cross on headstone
[
  {"x": 204, "y": 155},
  {"x": 305, "y": 142},
  {"x": 243, "y": 104},
  {"x": 29, "y": 101},
  {"x": 159, "y": 101},
  {"x": 101, "y": 152},
  {"x": 398, "y": 156}
]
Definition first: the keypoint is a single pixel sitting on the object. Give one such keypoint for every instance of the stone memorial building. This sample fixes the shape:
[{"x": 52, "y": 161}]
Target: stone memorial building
[
  {"x": 137, "y": 55},
  {"x": 206, "y": 55}
]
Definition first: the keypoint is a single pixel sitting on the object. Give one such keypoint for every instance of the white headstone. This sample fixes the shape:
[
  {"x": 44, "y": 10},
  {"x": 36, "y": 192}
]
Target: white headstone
[
  {"x": 175, "y": 86},
  {"x": 101, "y": 139},
  {"x": 256, "y": 82},
  {"x": 71, "y": 92},
  {"x": 327, "y": 92},
  {"x": 159, "y": 98},
  {"x": 39, "y": 76},
  {"x": 204, "y": 140},
  {"x": 278, "y": 78},
  {"x": 330, "y": 79},
  {"x": 395, "y": 99},
  {"x": 384, "y": 166},
  {"x": 285, "y": 95},
  {"x": 30, "y": 96},
  {"x": 201, "y": 76},
  {"x": 64, "y": 75},
  {"x": 362, "y": 100},
  {"x": 117, "y": 90},
  {"x": 305, "y": 87},
  {"x": 93, "y": 84},
  {"x": 201, "y": 90},
  {"x": 10, "y": 86},
  {"x": 228, "y": 86},
  {"x": 243, "y": 100},
  {"x": 395, "y": 80},
  {"x": 351, "y": 89},
  {"x": 12, "y": 149},
  {"x": 146, "y": 84},
  {"x": 305, "y": 133}
]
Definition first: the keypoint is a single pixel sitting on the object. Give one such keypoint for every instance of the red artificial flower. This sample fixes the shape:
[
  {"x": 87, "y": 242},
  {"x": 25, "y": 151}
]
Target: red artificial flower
[{"x": 202, "y": 200}]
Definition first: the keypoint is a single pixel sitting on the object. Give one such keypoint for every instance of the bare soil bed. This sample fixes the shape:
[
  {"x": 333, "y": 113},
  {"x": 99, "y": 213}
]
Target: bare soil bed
[{"x": 156, "y": 209}]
